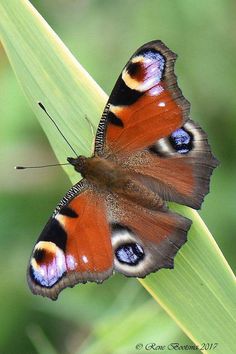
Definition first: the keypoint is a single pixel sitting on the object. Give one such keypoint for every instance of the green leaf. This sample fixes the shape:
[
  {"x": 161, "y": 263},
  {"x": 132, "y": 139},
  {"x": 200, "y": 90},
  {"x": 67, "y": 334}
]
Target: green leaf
[
  {"x": 199, "y": 293},
  {"x": 49, "y": 73},
  {"x": 130, "y": 331}
]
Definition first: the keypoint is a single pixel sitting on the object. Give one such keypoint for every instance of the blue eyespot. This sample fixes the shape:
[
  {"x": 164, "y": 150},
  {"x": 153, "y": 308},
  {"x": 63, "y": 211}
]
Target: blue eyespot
[
  {"x": 181, "y": 141},
  {"x": 155, "y": 55},
  {"x": 130, "y": 253}
]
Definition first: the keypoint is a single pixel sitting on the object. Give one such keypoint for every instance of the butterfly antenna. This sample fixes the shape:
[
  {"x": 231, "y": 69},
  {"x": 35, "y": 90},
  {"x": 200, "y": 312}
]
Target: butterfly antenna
[
  {"x": 42, "y": 166},
  {"x": 44, "y": 109}
]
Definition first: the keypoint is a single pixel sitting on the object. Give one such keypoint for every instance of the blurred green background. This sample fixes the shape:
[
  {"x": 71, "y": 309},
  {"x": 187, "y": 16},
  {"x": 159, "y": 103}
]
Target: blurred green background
[{"x": 102, "y": 34}]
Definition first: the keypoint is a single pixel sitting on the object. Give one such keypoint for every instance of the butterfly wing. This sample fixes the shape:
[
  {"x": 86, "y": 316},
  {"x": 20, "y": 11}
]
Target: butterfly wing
[
  {"x": 75, "y": 245},
  {"x": 145, "y": 105},
  {"x": 146, "y": 126},
  {"x": 178, "y": 167},
  {"x": 144, "y": 241}
]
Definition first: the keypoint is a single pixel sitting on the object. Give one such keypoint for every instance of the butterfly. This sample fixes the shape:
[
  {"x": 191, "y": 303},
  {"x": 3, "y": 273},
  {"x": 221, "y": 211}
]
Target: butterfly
[{"x": 147, "y": 152}]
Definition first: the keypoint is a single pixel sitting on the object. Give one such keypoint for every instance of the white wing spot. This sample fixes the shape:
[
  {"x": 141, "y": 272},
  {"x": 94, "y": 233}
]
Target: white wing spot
[{"x": 85, "y": 259}]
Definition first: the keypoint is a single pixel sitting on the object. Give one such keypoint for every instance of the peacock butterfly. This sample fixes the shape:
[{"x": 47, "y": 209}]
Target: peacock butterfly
[{"x": 147, "y": 152}]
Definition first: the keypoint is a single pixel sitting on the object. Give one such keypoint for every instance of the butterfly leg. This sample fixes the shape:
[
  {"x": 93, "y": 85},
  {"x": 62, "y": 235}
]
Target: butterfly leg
[{"x": 92, "y": 127}]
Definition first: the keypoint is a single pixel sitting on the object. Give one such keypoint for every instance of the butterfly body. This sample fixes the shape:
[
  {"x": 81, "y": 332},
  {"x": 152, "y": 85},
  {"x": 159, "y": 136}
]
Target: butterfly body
[
  {"x": 109, "y": 176},
  {"x": 147, "y": 152}
]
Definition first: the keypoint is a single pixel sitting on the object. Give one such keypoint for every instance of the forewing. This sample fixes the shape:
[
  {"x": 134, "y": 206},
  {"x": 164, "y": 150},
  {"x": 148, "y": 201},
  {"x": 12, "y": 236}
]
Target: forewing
[
  {"x": 75, "y": 245},
  {"x": 145, "y": 104}
]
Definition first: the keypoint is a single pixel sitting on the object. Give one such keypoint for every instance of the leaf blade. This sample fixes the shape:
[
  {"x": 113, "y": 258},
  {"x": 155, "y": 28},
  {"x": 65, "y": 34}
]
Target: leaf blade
[
  {"x": 212, "y": 278},
  {"x": 51, "y": 74}
]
